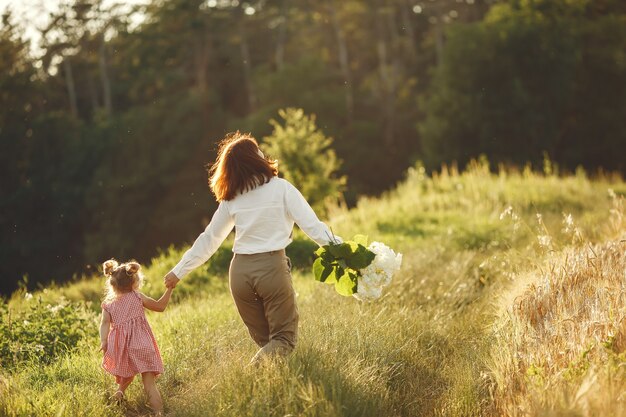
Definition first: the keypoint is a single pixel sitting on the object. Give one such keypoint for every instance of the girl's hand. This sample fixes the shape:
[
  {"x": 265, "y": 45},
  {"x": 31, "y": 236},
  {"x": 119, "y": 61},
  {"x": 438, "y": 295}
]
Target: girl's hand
[
  {"x": 171, "y": 280},
  {"x": 103, "y": 347}
]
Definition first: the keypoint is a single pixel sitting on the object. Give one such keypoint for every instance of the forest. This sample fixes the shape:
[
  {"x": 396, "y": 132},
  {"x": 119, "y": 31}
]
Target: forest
[{"x": 106, "y": 127}]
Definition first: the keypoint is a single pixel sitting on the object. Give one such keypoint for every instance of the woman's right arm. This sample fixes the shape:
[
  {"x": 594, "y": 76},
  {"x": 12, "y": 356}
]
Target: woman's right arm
[{"x": 207, "y": 243}]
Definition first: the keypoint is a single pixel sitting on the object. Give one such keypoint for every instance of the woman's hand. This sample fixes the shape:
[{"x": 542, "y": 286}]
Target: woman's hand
[
  {"x": 103, "y": 347},
  {"x": 171, "y": 280}
]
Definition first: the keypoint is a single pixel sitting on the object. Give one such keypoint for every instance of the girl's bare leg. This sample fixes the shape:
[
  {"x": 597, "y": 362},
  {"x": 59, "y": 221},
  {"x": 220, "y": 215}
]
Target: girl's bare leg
[
  {"x": 154, "y": 397},
  {"x": 121, "y": 388},
  {"x": 124, "y": 383}
]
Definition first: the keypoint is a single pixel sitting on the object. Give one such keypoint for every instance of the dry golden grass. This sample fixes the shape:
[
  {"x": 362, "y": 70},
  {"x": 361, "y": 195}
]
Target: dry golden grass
[{"x": 561, "y": 338}]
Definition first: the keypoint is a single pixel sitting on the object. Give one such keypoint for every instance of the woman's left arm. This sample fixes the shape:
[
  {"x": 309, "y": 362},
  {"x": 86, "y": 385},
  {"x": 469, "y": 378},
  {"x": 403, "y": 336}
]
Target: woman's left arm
[{"x": 304, "y": 216}]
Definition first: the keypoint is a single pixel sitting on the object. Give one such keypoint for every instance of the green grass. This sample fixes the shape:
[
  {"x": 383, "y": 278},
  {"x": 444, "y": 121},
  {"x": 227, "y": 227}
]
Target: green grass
[{"x": 426, "y": 348}]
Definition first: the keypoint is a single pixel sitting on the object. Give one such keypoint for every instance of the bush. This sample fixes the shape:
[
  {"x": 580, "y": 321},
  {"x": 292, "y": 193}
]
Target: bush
[
  {"x": 306, "y": 158},
  {"x": 300, "y": 251},
  {"x": 207, "y": 278},
  {"x": 42, "y": 332}
]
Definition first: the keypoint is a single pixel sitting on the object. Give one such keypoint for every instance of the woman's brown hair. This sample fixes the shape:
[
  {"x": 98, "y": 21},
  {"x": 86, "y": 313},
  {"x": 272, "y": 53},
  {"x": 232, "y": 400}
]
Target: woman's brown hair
[{"x": 239, "y": 167}]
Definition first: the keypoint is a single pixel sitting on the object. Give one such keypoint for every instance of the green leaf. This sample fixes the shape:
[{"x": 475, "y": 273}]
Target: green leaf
[
  {"x": 360, "y": 239},
  {"x": 342, "y": 250},
  {"x": 324, "y": 253},
  {"x": 327, "y": 273},
  {"x": 347, "y": 284},
  {"x": 321, "y": 270},
  {"x": 361, "y": 258},
  {"x": 335, "y": 274},
  {"x": 342, "y": 263},
  {"x": 318, "y": 268}
]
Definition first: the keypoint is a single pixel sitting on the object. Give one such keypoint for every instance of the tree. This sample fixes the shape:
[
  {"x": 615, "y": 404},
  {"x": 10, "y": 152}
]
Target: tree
[
  {"x": 18, "y": 103},
  {"x": 533, "y": 77},
  {"x": 305, "y": 158},
  {"x": 115, "y": 112}
]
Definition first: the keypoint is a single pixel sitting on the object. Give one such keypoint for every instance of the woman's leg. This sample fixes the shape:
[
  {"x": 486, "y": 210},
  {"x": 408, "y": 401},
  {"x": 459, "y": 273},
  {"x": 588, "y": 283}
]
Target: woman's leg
[
  {"x": 248, "y": 302},
  {"x": 274, "y": 286},
  {"x": 154, "y": 397}
]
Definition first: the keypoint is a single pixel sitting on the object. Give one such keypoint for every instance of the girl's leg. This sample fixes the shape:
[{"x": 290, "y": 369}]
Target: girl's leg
[
  {"x": 124, "y": 383},
  {"x": 154, "y": 397}
]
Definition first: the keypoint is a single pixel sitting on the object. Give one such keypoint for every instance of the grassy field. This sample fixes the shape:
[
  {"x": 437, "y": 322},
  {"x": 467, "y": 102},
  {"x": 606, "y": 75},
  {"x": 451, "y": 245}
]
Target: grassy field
[{"x": 511, "y": 301}]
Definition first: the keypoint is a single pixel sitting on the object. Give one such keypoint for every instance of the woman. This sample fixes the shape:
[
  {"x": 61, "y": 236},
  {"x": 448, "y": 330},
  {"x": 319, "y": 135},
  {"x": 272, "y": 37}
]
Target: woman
[{"x": 263, "y": 209}]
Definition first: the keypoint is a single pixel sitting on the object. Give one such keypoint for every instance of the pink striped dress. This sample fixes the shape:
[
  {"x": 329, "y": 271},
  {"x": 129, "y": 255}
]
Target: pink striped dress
[{"x": 132, "y": 348}]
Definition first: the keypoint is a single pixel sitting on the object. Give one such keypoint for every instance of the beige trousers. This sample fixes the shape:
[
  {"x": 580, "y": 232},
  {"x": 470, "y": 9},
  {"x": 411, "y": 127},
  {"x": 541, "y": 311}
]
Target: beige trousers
[{"x": 263, "y": 292}]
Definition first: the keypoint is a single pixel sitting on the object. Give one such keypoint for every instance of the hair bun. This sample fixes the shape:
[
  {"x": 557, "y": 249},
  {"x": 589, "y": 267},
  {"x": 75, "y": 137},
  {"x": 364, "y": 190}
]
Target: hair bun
[
  {"x": 132, "y": 267},
  {"x": 109, "y": 266}
]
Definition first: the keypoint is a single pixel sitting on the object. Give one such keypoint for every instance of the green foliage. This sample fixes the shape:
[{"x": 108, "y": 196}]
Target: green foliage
[
  {"x": 340, "y": 264},
  {"x": 136, "y": 177},
  {"x": 41, "y": 332},
  {"x": 116, "y": 168},
  {"x": 305, "y": 158},
  {"x": 300, "y": 251},
  {"x": 209, "y": 278},
  {"x": 532, "y": 77}
]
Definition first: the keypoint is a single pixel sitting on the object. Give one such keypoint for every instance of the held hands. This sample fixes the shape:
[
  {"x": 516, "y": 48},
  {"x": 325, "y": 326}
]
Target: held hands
[{"x": 171, "y": 280}]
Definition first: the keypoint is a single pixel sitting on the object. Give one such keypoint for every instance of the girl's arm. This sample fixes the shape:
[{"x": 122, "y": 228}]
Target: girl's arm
[
  {"x": 157, "y": 305},
  {"x": 105, "y": 324}
]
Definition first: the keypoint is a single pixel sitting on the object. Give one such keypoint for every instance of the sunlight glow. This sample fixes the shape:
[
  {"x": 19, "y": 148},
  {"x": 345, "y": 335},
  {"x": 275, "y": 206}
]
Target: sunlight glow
[{"x": 34, "y": 15}]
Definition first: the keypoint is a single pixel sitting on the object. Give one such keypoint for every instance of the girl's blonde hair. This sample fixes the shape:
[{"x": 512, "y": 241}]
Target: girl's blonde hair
[{"x": 121, "y": 278}]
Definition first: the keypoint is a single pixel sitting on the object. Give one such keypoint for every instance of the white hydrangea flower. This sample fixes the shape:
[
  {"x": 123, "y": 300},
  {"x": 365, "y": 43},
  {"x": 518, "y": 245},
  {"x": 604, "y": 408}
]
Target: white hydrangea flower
[
  {"x": 366, "y": 292},
  {"x": 378, "y": 274}
]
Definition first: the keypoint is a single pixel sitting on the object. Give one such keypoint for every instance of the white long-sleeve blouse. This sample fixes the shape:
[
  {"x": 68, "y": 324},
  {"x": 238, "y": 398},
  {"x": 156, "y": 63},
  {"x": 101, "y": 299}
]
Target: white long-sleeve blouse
[{"x": 263, "y": 219}]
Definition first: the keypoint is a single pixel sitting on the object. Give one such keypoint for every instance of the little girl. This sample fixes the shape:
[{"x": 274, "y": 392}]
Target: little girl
[{"x": 125, "y": 336}]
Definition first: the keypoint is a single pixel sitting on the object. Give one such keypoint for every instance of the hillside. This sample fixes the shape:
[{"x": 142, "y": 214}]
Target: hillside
[{"x": 510, "y": 302}]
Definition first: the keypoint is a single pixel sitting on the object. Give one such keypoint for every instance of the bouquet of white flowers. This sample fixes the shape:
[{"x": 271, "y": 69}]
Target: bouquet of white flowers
[{"x": 355, "y": 268}]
